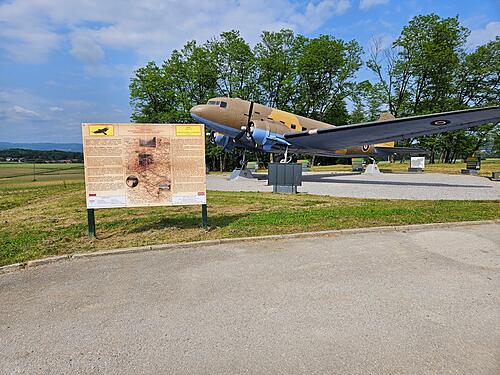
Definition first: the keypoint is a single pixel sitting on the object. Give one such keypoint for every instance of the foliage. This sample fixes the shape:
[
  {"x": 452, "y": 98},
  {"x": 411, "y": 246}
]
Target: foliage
[
  {"x": 427, "y": 69},
  {"x": 41, "y": 156}
]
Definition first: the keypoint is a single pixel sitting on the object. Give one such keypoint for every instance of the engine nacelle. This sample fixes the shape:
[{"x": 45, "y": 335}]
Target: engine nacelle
[
  {"x": 268, "y": 134},
  {"x": 224, "y": 141}
]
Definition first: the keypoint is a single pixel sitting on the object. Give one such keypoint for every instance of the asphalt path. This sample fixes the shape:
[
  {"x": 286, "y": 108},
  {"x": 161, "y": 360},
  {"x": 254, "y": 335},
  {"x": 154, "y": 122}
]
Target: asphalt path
[
  {"x": 412, "y": 302},
  {"x": 415, "y": 186}
]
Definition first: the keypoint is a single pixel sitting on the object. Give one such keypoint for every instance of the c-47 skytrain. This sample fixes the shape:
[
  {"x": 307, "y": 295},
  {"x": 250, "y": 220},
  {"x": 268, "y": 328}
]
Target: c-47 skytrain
[{"x": 252, "y": 126}]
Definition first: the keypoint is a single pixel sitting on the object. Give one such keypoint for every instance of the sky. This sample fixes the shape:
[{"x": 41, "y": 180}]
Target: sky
[{"x": 65, "y": 62}]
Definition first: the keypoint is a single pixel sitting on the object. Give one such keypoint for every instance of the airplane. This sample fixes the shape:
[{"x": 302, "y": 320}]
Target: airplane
[
  {"x": 101, "y": 131},
  {"x": 239, "y": 123}
]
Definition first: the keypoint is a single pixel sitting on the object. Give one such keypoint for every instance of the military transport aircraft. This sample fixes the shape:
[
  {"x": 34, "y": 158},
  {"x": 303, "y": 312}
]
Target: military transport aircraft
[{"x": 252, "y": 126}]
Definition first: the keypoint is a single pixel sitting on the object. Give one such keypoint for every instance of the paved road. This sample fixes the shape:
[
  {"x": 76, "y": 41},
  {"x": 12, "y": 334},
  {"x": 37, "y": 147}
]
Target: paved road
[
  {"x": 383, "y": 186},
  {"x": 415, "y": 302}
]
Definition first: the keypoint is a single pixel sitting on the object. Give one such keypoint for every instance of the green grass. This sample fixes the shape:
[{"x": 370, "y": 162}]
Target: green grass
[
  {"x": 50, "y": 219},
  {"x": 487, "y": 167},
  {"x": 22, "y": 173}
]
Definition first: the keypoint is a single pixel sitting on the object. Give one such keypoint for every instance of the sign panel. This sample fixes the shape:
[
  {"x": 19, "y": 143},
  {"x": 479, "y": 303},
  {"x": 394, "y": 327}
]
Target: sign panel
[
  {"x": 133, "y": 165},
  {"x": 417, "y": 162}
]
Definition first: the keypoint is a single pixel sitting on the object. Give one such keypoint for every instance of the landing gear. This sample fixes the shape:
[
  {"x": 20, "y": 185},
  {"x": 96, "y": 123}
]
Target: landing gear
[
  {"x": 243, "y": 161},
  {"x": 241, "y": 170},
  {"x": 284, "y": 158}
]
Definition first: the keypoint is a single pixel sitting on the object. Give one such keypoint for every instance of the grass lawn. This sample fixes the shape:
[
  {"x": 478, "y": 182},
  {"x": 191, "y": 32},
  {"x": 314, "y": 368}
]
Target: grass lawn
[
  {"x": 18, "y": 173},
  {"x": 487, "y": 166},
  {"x": 48, "y": 217}
]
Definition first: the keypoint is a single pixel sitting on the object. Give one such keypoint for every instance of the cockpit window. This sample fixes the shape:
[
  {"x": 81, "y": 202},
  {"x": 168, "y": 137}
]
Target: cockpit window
[{"x": 217, "y": 103}]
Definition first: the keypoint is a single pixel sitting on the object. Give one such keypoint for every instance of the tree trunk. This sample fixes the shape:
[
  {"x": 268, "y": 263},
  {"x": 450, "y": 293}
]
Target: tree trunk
[{"x": 432, "y": 159}]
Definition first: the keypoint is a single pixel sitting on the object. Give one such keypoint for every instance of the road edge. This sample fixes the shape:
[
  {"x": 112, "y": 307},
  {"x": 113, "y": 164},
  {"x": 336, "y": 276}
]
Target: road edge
[{"x": 196, "y": 244}]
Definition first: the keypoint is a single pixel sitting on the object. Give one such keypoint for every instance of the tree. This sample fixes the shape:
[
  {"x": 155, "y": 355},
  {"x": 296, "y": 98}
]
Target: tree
[
  {"x": 276, "y": 57},
  {"x": 235, "y": 63},
  {"x": 326, "y": 70},
  {"x": 478, "y": 78},
  {"x": 428, "y": 70},
  {"x": 149, "y": 94}
]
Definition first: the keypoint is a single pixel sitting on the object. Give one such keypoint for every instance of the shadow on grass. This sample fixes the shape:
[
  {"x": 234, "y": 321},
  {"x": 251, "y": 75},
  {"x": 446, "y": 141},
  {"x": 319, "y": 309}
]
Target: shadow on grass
[{"x": 189, "y": 222}]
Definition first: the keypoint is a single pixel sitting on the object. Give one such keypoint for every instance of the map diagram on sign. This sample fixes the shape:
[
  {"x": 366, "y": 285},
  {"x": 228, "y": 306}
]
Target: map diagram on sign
[
  {"x": 149, "y": 171},
  {"x": 130, "y": 165}
]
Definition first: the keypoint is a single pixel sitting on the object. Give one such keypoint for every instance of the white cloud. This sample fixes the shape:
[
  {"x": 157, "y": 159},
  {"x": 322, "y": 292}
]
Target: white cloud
[
  {"x": 367, "y": 4},
  {"x": 27, "y": 117},
  {"x": 31, "y": 29},
  {"x": 25, "y": 112},
  {"x": 316, "y": 15},
  {"x": 482, "y": 36},
  {"x": 86, "y": 49}
]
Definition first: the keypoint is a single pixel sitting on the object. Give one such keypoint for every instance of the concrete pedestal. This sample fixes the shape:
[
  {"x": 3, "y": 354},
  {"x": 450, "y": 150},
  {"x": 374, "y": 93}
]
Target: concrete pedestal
[
  {"x": 469, "y": 171},
  {"x": 372, "y": 169},
  {"x": 415, "y": 170},
  {"x": 284, "y": 189},
  {"x": 243, "y": 173}
]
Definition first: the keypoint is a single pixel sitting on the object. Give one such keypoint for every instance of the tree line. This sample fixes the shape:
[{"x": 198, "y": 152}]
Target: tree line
[
  {"x": 427, "y": 69},
  {"x": 40, "y": 156}
]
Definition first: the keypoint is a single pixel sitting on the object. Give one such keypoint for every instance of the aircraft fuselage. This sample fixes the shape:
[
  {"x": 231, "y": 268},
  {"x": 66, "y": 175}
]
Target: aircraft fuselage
[{"x": 229, "y": 116}]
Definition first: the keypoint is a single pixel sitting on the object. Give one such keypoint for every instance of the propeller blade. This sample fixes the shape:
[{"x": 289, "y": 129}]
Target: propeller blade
[
  {"x": 246, "y": 129},
  {"x": 253, "y": 140},
  {"x": 250, "y": 116},
  {"x": 239, "y": 135}
]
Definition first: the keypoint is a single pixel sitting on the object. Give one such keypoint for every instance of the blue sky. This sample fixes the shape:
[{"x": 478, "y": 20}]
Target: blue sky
[{"x": 65, "y": 62}]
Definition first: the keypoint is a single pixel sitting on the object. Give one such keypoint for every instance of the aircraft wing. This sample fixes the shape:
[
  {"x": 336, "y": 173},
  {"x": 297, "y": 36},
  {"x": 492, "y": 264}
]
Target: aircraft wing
[
  {"x": 400, "y": 150},
  {"x": 339, "y": 137}
]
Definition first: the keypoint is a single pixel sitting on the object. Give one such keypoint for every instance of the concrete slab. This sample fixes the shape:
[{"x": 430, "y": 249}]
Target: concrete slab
[
  {"x": 426, "y": 186},
  {"x": 425, "y": 301}
]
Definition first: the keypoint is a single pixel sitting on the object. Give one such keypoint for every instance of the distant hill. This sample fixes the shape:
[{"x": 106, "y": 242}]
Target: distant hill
[{"x": 74, "y": 147}]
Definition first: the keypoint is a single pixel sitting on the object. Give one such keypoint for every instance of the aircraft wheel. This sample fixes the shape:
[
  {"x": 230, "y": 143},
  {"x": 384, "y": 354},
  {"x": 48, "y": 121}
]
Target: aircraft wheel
[{"x": 277, "y": 158}]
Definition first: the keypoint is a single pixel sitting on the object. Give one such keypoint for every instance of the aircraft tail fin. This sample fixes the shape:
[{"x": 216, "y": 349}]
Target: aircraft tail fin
[
  {"x": 386, "y": 116},
  {"x": 383, "y": 117}
]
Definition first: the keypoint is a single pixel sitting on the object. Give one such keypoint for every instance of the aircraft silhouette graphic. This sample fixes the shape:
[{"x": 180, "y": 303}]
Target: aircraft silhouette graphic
[{"x": 101, "y": 131}]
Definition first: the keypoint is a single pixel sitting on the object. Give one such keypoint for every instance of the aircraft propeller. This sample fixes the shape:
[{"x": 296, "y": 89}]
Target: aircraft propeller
[{"x": 247, "y": 130}]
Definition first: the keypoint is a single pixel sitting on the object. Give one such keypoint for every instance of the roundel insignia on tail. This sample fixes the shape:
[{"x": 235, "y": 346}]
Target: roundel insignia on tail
[
  {"x": 365, "y": 148},
  {"x": 440, "y": 122}
]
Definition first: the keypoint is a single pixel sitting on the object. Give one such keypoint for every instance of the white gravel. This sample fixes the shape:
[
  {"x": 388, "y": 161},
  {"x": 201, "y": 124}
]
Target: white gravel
[{"x": 426, "y": 186}]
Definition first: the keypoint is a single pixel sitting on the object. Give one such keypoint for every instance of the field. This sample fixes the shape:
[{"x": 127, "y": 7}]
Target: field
[
  {"x": 19, "y": 173},
  {"x": 487, "y": 166},
  {"x": 48, "y": 216}
]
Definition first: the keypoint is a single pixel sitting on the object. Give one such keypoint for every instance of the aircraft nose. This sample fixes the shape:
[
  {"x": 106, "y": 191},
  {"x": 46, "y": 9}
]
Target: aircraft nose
[{"x": 198, "y": 110}]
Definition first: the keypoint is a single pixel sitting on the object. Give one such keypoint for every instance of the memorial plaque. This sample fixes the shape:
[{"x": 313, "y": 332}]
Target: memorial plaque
[
  {"x": 417, "y": 162},
  {"x": 133, "y": 165}
]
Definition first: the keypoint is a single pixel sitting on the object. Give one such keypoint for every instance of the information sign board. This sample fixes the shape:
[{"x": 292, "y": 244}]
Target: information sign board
[{"x": 133, "y": 165}]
